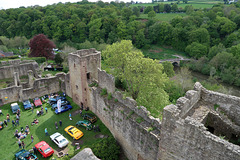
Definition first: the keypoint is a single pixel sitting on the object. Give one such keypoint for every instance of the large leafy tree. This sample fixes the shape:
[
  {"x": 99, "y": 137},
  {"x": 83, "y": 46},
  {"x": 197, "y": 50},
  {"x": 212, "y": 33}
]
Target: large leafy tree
[
  {"x": 41, "y": 46},
  {"x": 144, "y": 77}
]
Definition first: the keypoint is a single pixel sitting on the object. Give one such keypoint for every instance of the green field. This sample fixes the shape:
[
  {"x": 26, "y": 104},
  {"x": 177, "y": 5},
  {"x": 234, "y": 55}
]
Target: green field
[
  {"x": 196, "y": 4},
  {"x": 8, "y": 143},
  {"x": 161, "y": 52},
  {"x": 164, "y": 16}
]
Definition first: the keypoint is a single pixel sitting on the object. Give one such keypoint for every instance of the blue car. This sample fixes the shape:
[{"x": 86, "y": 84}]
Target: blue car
[
  {"x": 63, "y": 103},
  {"x": 25, "y": 155},
  {"x": 63, "y": 109},
  {"x": 27, "y": 104}
]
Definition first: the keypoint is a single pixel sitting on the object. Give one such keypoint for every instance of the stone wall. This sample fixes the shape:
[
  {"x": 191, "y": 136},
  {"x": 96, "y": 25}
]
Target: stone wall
[
  {"x": 106, "y": 81},
  {"x": 12, "y": 94},
  {"x": 188, "y": 139},
  {"x": 16, "y": 66},
  {"x": 229, "y": 105},
  {"x": 138, "y": 138},
  {"x": 40, "y": 87}
]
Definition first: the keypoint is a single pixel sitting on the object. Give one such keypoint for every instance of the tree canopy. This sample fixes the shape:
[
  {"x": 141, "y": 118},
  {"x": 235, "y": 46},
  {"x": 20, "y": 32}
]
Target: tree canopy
[
  {"x": 144, "y": 77},
  {"x": 41, "y": 46}
]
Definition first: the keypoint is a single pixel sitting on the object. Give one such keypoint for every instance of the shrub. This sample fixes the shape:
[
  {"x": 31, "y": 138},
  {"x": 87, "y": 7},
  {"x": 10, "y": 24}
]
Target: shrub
[
  {"x": 216, "y": 106},
  {"x": 109, "y": 96},
  {"x": 65, "y": 69},
  {"x": 107, "y": 149},
  {"x": 139, "y": 119},
  {"x": 104, "y": 92},
  {"x": 115, "y": 100},
  {"x": 150, "y": 129}
]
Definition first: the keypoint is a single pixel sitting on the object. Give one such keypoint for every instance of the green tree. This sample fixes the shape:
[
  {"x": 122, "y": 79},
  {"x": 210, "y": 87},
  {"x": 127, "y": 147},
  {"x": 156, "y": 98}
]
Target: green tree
[
  {"x": 58, "y": 59},
  {"x": 107, "y": 149},
  {"x": 151, "y": 14},
  {"x": 174, "y": 7},
  {"x": 140, "y": 39},
  {"x": 144, "y": 77},
  {"x": 185, "y": 1},
  {"x": 196, "y": 50},
  {"x": 167, "y": 8},
  {"x": 161, "y": 7},
  {"x": 168, "y": 68},
  {"x": 136, "y": 11},
  {"x": 200, "y": 35},
  {"x": 148, "y": 9}
]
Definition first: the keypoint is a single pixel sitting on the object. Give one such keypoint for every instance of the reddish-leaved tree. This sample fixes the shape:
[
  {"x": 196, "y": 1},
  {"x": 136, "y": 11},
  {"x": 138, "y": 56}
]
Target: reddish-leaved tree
[{"x": 41, "y": 46}]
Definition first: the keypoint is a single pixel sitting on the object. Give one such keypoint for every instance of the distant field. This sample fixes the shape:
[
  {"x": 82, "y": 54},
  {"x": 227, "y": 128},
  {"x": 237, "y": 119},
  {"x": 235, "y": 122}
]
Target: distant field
[
  {"x": 161, "y": 52},
  {"x": 195, "y": 4},
  {"x": 164, "y": 16}
]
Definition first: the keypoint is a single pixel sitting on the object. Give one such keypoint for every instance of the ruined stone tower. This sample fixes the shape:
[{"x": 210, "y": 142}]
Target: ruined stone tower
[{"x": 83, "y": 69}]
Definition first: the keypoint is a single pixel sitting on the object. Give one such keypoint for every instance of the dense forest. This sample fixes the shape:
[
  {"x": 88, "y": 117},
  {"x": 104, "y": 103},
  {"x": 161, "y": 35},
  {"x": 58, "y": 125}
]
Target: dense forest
[{"x": 210, "y": 36}]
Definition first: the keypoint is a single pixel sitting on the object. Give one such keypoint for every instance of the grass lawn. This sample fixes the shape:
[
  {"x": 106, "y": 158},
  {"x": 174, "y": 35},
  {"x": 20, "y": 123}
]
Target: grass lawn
[
  {"x": 8, "y": 143},
  {"x": 161, "y": 52},
  {"x": 164, "y": 16},
  {"x": 195, "y": 3}
]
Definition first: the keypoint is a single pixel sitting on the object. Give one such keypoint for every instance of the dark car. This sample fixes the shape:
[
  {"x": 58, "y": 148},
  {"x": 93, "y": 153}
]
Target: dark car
[
  {"x": 25, "y": 155},
  {"x": 27, "y": 104},
  {"x": 54, "y": 105},
  {"x": 85, "y": 123},
  {"x": 92, "y": 118},
  {"x": 63, "y": 109}
]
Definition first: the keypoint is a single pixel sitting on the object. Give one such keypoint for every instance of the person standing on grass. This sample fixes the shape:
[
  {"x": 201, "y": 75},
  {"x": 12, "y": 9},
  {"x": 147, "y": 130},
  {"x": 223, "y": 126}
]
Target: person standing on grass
[
  {"x": 17, "y": 122},
  {"x": 5, "y": 121},
  {"x": 60, "y": 123},
  {"x": 35, "y": 150},
  {"x": 56, "y": 125},
  {"x": 23, "y": 144},
  {"x": 70, "y": 116},
  {"x": 80, "y": 113},
  {"x": 13, "y": 123},
  {"x": 8, "y": 118},
  {"x": 46, "y": 109},
  {"x": 46, "y": 132},
  {"x": 32, "y": 108},
  {"x": 32, "y": 138},
  {"x": 19, "y": 144}
]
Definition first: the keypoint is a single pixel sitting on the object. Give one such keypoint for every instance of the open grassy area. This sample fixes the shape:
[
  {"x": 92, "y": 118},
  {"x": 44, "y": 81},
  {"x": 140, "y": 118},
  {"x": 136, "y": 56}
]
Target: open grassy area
[
  {"x": 159, "y": 52},
  {"x": 195, "y": 3},
  {"x": 164, "y": 16},
  {"x": 8, "y": 143}
]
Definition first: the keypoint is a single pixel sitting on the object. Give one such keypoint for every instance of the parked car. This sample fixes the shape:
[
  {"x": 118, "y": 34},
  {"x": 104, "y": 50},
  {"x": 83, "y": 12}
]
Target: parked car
[
  {"x": 56, "y": 98},
  {"x": 73, "y": 132},
  {"x": 27, "y": 104},
  {"x": 37, "y": 102},
  {"x": 44, "y": 149},
  {"x": 59, "y": 140},
  {"x": 14, "y": 107},
  {"x": 63, "y": 109},
  {"x": 54, "y": 105},
  {"x": 25, "y": 155},
  {"x": 85, "y": 123},
  {"x": 92, "y": 118}
]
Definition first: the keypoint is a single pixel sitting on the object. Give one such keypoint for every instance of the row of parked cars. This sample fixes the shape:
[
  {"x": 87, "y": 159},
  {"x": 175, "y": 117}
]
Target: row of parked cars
[{"x": 26, "y": 104}]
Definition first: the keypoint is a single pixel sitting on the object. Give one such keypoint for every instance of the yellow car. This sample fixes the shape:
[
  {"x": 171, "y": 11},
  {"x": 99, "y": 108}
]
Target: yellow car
[{"x": 74, "y": 132}]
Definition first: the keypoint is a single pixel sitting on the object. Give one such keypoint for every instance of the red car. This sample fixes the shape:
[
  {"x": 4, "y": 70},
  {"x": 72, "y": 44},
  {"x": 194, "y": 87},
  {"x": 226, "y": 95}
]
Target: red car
[
  {"x": 37, "y": 102},
  {"x": 44, "y": 149}
]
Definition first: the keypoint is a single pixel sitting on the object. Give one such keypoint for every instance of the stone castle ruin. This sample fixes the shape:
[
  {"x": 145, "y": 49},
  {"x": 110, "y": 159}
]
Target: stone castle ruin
[{"x": 202, "y": 125}]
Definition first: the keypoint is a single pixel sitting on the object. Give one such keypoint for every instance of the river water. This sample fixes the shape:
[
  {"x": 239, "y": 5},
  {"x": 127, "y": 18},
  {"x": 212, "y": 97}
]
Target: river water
[{"x": 229, "y": 89}]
